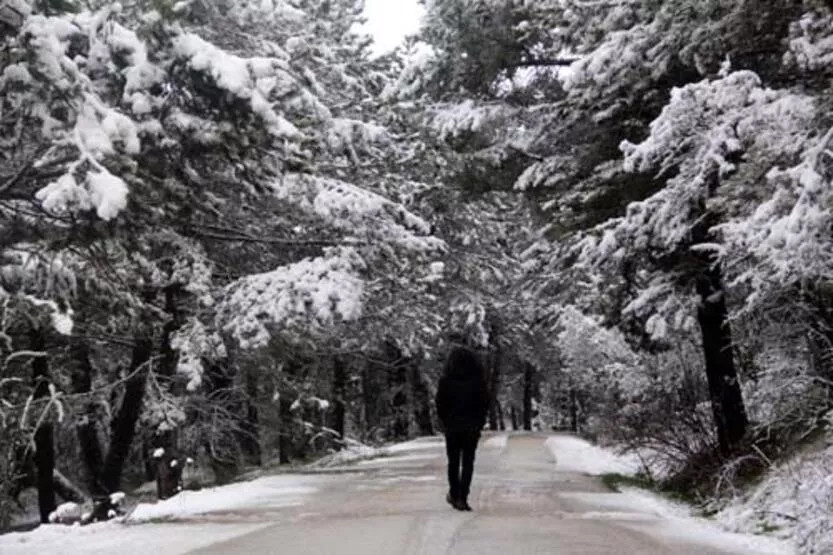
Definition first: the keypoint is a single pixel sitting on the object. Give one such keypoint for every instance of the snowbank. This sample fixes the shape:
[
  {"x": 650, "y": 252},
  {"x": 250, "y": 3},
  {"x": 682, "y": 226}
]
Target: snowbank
[
  {"x": 679, "y": 523},
  {"x": 647, "y": 511},
  {"x": 359, "y": 453},
  {"x": 664, "y": 519},
  {"x": 106, "y": 538},
  {"x": 631, "y": 501},
  {"x": 435, "y": 442},
  {"x": 264, "y": 493},
  {"x": 573, "y": 454}
]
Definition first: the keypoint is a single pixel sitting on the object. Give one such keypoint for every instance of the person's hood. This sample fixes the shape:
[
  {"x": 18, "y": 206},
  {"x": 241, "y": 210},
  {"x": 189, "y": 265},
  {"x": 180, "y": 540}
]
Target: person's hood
[{"x": 462, "y": 365}]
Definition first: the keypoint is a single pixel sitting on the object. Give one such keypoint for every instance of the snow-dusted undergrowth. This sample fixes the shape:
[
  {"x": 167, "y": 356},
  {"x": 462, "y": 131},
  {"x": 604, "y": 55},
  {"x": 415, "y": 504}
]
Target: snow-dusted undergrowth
[{"x": 792, "y": 502}]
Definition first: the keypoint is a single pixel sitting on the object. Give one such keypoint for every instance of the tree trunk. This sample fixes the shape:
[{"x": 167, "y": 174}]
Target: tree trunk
[
  {"x": 44, "y": 444},
  {"x": 168, "y": 474},
  {"x": 169, "y": 357},
  {"x": 219, "y": 382},
  {"x": 399, "y": 387},
  {"x": 514, "y": 415},
  {"x": 421, "y": 401},
  {"x": 124, "y": 424},
  {"x": 339, "y": 396},
  {"x": 285, "y": 438},
  {"x": 494, "y": 389},
  {"x": 573, "y": 410},
  {"x": 494, "y": 368},
  {"x": 528, "y": 392},
  {"x": 166, "y": 369},
  {"x": 724, "y": 388},
  {"x": 250, "y": 440},
  {"x": 86, "y": 427}
]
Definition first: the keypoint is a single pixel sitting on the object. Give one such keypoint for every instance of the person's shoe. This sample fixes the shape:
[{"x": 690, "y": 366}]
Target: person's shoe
[
  {"x": 463, "y": 505},
  {"x": 451, "y": 501}
]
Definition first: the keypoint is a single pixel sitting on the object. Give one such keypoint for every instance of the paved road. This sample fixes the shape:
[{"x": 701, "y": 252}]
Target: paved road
[{"x": 522, "y": 504}]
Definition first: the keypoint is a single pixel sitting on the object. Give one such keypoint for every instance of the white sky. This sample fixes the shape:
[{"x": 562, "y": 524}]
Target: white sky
[{"x": 389, "y": 21}]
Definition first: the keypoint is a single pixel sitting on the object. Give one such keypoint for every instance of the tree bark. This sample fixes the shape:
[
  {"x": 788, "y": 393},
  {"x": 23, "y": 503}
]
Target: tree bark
[
  {"x": 124, "y": 424},
  {"x": 44, "y": 441},
  {"x": 724, "y": 389}
]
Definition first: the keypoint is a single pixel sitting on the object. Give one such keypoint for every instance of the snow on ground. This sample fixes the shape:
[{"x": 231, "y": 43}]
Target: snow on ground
[
  {"x": 351, "y": 453},
  {"x": 496, "y": 442},
  {"x": 665, "y": 519},
  {"x": 631, "y": 500},
  {"x": 142, "y": 527},
  {"x": 573, "y": 454},
  {"x": 264, "y": 493},
  {"x": 434, "y": 442},
  {"x": 170, "y": 526},
  {"x": 645, "y": 510},
  {"x": 392, "y": 461},
  {"x": 115, "y": 537},
  {"x": 360, "y": 453},
  {"x": 792, "y": 502}
]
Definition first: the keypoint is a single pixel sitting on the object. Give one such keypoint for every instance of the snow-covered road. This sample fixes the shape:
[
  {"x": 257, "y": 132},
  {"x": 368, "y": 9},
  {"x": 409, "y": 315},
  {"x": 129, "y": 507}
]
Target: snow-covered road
[
  {"x": 523, "y": 503},
  {"x": 529, "y": 496}
]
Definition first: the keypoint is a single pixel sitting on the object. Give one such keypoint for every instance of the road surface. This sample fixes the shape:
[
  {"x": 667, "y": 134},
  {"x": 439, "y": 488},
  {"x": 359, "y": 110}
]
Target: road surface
[{"x": 522, "y": 504}]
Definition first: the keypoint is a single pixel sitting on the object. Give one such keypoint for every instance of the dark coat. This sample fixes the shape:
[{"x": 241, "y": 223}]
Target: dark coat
[{"x": 462, "y": 395}]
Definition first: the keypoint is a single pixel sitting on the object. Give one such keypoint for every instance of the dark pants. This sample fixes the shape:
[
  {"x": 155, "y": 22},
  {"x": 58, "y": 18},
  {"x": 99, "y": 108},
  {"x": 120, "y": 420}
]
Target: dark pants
[{"x": 460, "y": 447}]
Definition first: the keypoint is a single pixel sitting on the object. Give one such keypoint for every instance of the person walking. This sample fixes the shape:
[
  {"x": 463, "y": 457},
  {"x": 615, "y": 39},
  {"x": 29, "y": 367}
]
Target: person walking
[{"x": 462, "y": 404}]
